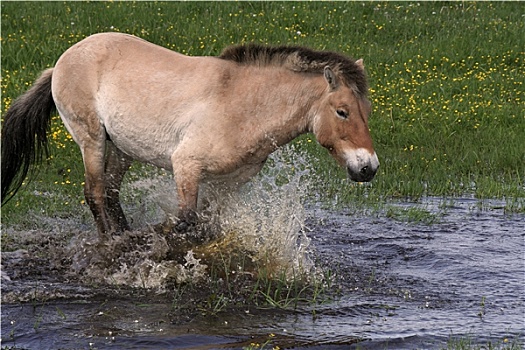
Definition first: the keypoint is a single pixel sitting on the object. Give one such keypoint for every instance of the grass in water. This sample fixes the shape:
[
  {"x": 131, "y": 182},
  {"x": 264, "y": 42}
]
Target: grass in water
[{"x": 466, "y": 343}]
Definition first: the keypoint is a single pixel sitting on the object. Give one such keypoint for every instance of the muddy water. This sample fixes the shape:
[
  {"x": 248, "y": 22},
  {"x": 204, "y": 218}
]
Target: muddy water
[{"x": 400, "y": 285}]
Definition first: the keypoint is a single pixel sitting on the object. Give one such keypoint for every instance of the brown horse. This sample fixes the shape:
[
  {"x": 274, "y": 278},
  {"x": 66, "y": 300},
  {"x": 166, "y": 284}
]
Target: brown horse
[{"x": 204, "y": 118}]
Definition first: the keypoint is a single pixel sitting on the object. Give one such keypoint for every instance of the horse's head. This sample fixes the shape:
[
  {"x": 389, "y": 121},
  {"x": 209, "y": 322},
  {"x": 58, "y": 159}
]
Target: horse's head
[{"x": 341, "y": 126}]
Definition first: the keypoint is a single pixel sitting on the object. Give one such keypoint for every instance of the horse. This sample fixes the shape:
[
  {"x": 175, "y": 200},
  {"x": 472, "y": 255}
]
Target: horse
[{"x": 204, "y": 118}]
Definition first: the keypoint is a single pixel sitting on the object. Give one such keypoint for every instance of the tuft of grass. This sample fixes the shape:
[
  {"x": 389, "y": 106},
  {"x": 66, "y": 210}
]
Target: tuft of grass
[
  {"x": 234, "y": 284},
  {"x": 412, "y": 214},
  {"x": 466, "y": 343}
]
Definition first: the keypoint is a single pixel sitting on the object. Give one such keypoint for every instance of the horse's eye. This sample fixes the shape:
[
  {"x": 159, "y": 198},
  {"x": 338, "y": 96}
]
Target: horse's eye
[{"x": 342, "y": 114}]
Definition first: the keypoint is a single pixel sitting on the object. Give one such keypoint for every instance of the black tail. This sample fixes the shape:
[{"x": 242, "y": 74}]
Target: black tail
[{"x": 24, "y": 133}]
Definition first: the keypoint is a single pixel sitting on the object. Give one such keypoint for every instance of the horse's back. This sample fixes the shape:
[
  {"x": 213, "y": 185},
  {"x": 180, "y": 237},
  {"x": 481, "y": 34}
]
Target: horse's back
[
  {"x": 112, "y": 59},
  {"x": 139, "y": 92}
]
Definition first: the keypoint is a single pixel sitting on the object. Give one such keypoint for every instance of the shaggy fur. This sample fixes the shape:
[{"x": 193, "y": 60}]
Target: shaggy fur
[{"x": 300, "y": 59}]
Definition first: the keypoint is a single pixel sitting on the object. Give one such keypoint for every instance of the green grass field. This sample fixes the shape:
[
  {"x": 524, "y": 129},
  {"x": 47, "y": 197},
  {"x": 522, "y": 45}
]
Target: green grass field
[{"x": 447, "y": 83}]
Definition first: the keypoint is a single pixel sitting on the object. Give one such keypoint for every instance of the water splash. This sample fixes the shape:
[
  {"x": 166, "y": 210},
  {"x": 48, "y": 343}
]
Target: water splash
[{"x": 258, "y": 230}]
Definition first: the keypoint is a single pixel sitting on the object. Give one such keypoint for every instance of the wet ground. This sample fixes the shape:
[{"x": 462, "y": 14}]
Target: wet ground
[{"x": 395, "y": 284}]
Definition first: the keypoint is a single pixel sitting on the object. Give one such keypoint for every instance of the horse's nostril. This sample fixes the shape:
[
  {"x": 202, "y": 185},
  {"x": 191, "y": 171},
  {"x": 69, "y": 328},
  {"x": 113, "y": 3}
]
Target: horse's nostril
[{"x": 365, "y": 174}]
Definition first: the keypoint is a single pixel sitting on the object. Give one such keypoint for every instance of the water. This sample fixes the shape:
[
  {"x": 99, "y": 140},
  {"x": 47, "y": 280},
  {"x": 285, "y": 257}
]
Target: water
[
  {"x": 414, "y": 285},
  {"x": 394, "y": 284}
]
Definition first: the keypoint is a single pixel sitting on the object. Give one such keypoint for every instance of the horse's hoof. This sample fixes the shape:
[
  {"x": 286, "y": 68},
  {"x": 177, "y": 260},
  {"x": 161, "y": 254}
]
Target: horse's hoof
[{"x": 182, "y": 226}]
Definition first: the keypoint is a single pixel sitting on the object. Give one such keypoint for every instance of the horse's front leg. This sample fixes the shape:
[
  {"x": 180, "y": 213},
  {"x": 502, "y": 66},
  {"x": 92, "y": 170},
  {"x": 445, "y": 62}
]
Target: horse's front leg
[{"x": 187, "y": 177}]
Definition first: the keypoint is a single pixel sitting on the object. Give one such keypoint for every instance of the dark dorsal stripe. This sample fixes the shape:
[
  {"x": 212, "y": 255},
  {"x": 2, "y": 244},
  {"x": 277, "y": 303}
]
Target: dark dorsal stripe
[{"x": 299, "y": 59}]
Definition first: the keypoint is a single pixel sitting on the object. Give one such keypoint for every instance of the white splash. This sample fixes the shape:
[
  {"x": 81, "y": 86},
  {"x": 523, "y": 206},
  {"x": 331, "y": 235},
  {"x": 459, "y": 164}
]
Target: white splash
[{"x": 265, "y": 222}]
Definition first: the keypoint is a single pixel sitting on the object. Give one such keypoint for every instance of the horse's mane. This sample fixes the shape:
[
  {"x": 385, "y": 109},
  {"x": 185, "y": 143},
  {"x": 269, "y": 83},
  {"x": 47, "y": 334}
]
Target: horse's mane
[{"x": 299, "y": 59}]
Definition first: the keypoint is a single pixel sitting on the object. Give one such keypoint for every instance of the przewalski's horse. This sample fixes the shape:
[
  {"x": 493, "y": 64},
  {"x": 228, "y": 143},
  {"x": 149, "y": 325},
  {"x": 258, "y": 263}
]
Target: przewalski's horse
[{"x": 204, "y": 118}]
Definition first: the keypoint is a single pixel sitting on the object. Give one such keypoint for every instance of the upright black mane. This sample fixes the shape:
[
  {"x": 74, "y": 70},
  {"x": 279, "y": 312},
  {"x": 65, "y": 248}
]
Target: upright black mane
[{"x": 299, "y": 59}]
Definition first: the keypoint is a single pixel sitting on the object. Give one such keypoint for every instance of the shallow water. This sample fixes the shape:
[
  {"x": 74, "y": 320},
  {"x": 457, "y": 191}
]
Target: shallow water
[
  {"x": 428, "y": 282},
  {"x": 402, "y": 285}
]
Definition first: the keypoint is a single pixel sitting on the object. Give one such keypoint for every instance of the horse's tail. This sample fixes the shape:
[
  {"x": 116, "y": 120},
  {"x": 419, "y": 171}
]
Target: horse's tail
[{"x": 24, "y": 133}]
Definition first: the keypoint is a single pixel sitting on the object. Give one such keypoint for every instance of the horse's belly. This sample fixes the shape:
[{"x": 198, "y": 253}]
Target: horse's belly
[
  {"x": 150, "y": 126},
  {"x": 145, "y": 144},
  {"x": 239, "y": 176}
]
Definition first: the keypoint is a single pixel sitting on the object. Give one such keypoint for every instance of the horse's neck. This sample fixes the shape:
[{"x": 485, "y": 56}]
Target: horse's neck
[{"x": 288, "y": 102}]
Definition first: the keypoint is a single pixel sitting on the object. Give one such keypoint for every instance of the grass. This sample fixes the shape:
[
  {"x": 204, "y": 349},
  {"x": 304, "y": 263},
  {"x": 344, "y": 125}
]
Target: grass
[
  {"x": 233, "y": 284},
  {"x": 447, "y": 82},
  {"x": 466, "y": 343}
]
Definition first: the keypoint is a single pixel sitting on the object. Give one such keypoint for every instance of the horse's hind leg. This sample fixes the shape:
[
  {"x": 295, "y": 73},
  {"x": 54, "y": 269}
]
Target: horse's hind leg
[
  {"x": 117, "y": 163},
  {"x": 103, "y": 178},
  {"x": 93, "y": 151}
]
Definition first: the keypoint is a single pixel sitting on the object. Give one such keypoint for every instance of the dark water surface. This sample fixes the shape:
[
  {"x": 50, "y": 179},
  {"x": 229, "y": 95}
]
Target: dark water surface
[{"x": 402, "y": 285}]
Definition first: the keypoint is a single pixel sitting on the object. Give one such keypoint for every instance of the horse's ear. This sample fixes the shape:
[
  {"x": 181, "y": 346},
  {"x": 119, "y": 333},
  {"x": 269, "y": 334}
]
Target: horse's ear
[
  {"x": 360, "y": 64},
  {"x": 331, "y": 78}
]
